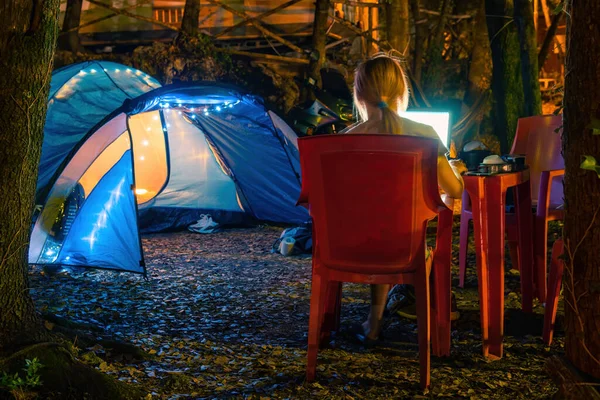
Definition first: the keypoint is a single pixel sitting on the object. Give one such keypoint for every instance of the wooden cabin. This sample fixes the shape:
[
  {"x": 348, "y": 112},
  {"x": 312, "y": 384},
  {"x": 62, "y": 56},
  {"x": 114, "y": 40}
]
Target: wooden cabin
[{"x": 101, "y": 26}]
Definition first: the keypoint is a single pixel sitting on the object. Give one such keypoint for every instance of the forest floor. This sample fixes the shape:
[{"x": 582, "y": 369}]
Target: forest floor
[{"x": 223, "y": 317}]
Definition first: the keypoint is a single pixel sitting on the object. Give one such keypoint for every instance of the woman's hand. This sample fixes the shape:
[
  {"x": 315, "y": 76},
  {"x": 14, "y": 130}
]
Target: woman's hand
[{"x": 458, "y": 166}]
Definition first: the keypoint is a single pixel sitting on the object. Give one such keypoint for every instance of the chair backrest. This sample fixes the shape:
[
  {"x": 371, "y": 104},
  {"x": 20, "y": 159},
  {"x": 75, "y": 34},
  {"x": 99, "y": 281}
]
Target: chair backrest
[
  {"x": 537, "y": 138},
  {"x": 370, "y": 198}
]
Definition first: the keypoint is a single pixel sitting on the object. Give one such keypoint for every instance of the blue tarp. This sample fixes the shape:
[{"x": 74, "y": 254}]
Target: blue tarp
[{"x": 81, "y": 96}]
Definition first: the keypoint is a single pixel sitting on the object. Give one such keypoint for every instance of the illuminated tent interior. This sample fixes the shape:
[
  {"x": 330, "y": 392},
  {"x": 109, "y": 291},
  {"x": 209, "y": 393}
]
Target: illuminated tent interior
[
  {"x": 158, "y": 163},
  {"x": 81, "y": 96}
]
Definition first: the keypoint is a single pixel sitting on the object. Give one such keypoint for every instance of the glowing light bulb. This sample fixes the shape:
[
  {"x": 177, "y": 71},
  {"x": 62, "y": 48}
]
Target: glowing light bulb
[
  {"x": 82, "y": 73},
  {"x": 67, "y": 258},
  {"x": 142, "y": 158},
  {"x": 93, "y": 71},
  {"x": 141, "y": 192},
  {"x": 128, "y": 70},
  {"x": 145, "y": 143},
  {"x": 179, "y": 112},
  {"x": 193, "y": 117},
  {"x": 105, "y": 70},
  {"x": 50, "y": 253},
  {"x": 155, "y": 117},
  {"x": 168, "y": 125},
  {"x": 148, "y": 129},
  {"x": 117, "y": 70},
  {"x": 218, "y": 108}
]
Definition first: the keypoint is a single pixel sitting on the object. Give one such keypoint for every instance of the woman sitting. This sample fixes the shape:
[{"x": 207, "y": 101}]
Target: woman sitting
[{"x": 380, "y": 93}]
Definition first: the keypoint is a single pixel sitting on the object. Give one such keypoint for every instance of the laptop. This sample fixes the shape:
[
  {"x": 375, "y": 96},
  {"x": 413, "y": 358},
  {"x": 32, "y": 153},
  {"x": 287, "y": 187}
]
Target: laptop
[{"x": 439, "y": 120}]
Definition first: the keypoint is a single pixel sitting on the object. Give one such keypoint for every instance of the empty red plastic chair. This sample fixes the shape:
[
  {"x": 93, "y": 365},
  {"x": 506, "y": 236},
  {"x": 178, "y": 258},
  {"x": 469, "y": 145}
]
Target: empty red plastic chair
[
  {"x": 537, "y": 138},
  {"x": 557, "y": 268},
  {"x": 370, "y": 197}
]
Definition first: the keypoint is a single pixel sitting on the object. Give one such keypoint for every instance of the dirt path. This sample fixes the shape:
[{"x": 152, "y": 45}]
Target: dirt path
[{"x": 226, "y": 318}]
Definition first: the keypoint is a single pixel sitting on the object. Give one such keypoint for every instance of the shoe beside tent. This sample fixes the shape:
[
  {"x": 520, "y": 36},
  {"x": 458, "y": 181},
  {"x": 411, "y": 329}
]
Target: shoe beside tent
[
  {"x": 81, "y": 95},
  {"x": 172, "y": 154}
]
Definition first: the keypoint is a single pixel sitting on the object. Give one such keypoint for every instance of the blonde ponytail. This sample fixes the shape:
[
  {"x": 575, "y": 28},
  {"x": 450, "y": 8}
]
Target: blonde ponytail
[
  {"x": 379, "y": 82},
  {"x": 392, "y": 123}
]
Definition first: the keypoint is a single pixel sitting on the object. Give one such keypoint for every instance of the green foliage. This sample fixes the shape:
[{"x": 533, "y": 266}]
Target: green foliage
[
  {"x": 31, "y": 379},
  {"x": 594, "y": 125},
  {"x": 589, "y": 163}
]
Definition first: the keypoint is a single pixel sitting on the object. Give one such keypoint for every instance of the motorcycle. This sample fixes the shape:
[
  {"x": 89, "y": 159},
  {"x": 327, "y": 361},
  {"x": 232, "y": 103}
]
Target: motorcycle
[{"x": 331, "y": 112}]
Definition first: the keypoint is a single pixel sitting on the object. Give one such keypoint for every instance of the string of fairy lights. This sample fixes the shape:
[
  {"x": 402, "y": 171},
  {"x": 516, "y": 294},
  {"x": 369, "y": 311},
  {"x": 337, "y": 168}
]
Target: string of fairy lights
[{"x": 194, "y": 111}]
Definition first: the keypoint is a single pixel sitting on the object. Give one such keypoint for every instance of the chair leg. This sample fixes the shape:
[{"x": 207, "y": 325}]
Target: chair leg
[
  {"x": 462, "y": 252},
  {"x": 331, "y": 313},
  {"x": 513, "y": 249},
  {"x": 554, "y": 283},
  {"x": 442, "y": 280},
  {"x": 540, "y": 265},
  {"x": 319, "y": 287},
  {"x": 423, "y": 325}
]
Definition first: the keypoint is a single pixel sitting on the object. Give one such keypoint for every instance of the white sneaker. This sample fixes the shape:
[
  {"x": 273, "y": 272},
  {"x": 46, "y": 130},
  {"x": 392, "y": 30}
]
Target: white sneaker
[{"x": 204, "y": 225}]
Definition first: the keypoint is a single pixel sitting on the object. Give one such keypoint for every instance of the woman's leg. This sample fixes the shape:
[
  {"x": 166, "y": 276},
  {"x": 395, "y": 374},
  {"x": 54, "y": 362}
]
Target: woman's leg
[{"x": 379, "y": 295}]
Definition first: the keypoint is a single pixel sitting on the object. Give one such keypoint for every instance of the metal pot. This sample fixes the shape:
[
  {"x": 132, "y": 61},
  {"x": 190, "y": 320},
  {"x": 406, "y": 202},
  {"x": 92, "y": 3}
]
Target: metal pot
[
  {"x": 473, "y": 158},
  {"x": 495, "y": 168}
]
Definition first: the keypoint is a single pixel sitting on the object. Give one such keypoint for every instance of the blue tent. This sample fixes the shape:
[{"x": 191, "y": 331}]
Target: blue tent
[
  {"x": 160, "y": 161},
  {"x": 82, "y": 95}
]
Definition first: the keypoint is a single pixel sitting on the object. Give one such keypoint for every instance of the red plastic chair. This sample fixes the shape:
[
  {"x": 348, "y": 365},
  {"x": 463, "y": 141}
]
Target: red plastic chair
[
  {"x": 536, "y": 137},
  {"x": 557, "y": 268},
  {"x": 370, "y": 197}
]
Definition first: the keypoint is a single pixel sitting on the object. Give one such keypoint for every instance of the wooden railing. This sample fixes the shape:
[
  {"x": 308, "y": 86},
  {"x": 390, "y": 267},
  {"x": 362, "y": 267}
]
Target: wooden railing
[{"x": 171, "y": 15}]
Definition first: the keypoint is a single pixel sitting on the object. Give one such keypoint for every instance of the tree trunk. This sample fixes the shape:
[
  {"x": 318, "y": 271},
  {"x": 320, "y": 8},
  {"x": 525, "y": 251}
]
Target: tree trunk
[
  {"x": 396, "y": 24},
  {"x": 480, "y": 73},
  {"x": 27, "y": 40},
  {"x": 69, "y": 38},
  {"x": 420, "y": 35},
  {"x": 319, "y": 40},
  {"x": 507, "y": 81},
  {"x": 432, "y": 75},
  {"x": 582, "y": 187},
  {"x": 480, "y": 68},
  {"x": 548, "y": 40},
  {"x": 529, "y": 57},
  {"x": 191, "y": 15}
]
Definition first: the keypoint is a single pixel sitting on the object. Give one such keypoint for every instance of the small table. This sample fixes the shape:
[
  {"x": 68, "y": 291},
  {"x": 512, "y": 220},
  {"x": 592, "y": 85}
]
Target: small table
[{"x": 488, "y": 196}]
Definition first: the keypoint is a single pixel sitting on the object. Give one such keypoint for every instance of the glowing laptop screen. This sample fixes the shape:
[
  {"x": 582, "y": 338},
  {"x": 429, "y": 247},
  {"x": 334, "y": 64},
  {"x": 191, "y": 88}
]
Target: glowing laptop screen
[{"x": 440, "y": 121}]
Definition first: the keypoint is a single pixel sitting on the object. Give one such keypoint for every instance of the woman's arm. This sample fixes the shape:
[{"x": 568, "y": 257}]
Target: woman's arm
[{"x": 449, "y": 177}]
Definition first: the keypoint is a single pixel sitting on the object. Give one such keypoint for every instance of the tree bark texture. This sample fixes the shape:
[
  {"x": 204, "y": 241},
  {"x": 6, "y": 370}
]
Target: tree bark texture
[
  {"x": 480, "y": 74},
  {"x": 191, "y": 15},
  {"x": 507, "y": 82},
  {"x": 420, "y": 36},
  {"x": 396, "y": 24},
  {"x": 319, "y": 40},
  {"x": 480, "y": 68},
  {"x": 27, "y": 40},
  {"x": 529, "y": 57},
  {"x": 433, "y": 70},
  {"x": 582, "y": 187},
  {"x": 548, "y": 40},
  {"x": 69, "y": 37}
]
